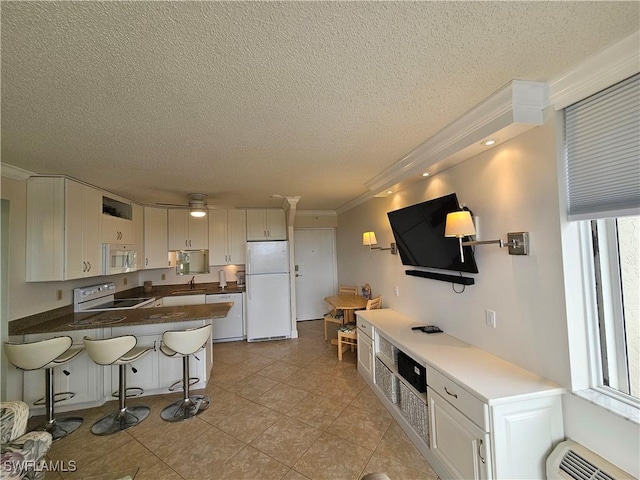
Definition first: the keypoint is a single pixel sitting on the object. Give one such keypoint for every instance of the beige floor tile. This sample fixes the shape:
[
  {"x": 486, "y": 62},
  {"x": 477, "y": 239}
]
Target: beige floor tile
[
  {"x": 396, "y": 445},
  {"x": 158, "y": 471},
  {"x": 282, "y": 398},
  {"x": 331, "y": 457},
  {"x": 293, "y": 475},
  {"x": 286, "y": 440},
  {"x": 301, "y": 359},
  {"x": 223, "y": 405},
  {"x": 306, "y": 379},
  {"x": 396, "y": 470},
  {"x": 250, "y": 464},
  {"x": 162, "y": 439},
  {"x": 252, "y": 386},
  {"x": 360, "y": 427},
  {"x": 367, "y": 400},
  {"x": 200, "y": 457},
  {"x": 224, "y": 375},
  {"x": 279, "y": 370},
  {"x": 249, "y": 422},
  {"x": 340, "y": 389},
  {"x": 317, "y": 410}
]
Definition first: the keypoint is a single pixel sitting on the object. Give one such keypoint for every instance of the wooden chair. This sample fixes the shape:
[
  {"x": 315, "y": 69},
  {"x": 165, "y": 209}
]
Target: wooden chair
[
  {"x": 337, "y": 316},
  {"x": 349, "y": 338}
]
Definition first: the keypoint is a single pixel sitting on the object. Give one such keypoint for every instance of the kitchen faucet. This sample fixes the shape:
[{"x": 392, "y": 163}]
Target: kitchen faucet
[{"x": 192, "y": 283}]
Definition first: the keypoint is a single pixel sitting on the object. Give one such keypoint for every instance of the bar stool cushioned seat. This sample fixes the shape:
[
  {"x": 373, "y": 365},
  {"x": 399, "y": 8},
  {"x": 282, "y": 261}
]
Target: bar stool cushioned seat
[
  {"x": 22, "y": 453},
  {"x": 45, "y": 355},
  {"x": 118, "y": 351},
  {"x": 182, "y": 343}
]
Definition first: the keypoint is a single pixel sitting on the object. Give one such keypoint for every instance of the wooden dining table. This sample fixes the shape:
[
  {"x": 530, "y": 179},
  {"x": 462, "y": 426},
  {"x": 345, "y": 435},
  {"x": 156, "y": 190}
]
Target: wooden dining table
[{"x": 348, "y": 304}]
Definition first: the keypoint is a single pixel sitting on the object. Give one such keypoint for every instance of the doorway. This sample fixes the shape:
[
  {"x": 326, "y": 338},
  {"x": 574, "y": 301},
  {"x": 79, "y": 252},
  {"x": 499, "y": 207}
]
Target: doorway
[{"x": 316, "y": 271}]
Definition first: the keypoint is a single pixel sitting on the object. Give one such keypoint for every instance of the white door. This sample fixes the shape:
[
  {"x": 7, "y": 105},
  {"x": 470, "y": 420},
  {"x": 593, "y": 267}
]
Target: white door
[{"x": 315, "y": 260}]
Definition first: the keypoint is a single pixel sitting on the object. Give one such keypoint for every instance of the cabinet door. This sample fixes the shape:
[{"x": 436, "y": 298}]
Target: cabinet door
[
  {"x": 76, "y": 265},
  {"x": 178, "y": 225},
  {"x": 147, "y": 373},
  {"x": 137, "y": 233},
  {"x": 237, "y": 236},
  {"x": 92, "y": 228},
  {"x": 256, "y": 224},
  {"x": 218, "y": 237},
  {"x": 276, "y": 224},
  {"x": 116, "y": 230},
  {"x": 198, "y": 238},
  {"x": 155, "y": 238},
  {"x": 459, "y": 444},
  {"x": 365, "y": 355}
]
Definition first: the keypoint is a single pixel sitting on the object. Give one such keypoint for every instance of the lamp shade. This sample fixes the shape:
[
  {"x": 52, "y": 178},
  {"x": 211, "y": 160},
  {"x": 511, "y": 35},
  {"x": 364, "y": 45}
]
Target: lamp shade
[
  {"x": 369, "y": 238},
  {"x": 459, "y": 224}
]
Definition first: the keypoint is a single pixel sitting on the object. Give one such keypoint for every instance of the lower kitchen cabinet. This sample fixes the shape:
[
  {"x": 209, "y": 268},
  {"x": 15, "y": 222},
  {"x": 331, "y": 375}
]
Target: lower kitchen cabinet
[
  {"x": 481, "y": 417},
  {"x": 144, "y": 372}
]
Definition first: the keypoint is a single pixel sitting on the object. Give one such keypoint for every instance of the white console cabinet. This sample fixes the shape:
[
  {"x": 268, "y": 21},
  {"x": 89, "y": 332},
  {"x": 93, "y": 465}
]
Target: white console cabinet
[{"x": 481, "y": 417}]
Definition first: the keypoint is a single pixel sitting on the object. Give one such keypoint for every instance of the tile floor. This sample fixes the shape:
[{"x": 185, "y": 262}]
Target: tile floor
[{"x": 280, "y": 410}]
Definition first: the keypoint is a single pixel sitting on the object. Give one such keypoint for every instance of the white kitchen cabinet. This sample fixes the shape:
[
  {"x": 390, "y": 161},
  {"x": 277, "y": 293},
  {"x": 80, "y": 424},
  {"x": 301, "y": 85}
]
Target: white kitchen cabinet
[
  {"x": 187, "y": 232},
  {"x": 116, "y": 230},
  {"x": 147, "y": 368},
  {"x": 84, "y": 379},
  {"x": 266, "y": 224},
  {"x": 227, "y": 237},
  {"x": 366, "y": 354},
  {"x": 156, "y": 247},
  {"x": 137, "y": 233},
  {"x": 63, "y": 230},
  {"x": 232, "y": 327},
  {"x": 487, "y": 418}
]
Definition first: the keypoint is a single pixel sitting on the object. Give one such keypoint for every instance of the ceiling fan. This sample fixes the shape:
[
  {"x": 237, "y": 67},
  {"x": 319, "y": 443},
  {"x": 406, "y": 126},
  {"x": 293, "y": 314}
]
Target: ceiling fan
[{"x": 197, "y": 204}]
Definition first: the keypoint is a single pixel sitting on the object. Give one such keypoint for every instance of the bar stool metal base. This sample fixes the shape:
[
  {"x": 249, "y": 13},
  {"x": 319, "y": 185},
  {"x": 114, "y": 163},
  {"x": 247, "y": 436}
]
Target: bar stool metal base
[
  {"x": 61, "y": 427},
  {"x": 120, "y": 420},
  {"x": 184, "y": 409}
]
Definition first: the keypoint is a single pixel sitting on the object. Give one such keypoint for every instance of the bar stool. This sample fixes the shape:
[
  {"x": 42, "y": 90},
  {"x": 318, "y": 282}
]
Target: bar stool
[
  {"x": 182, "y": 343},
  {"x": 118, "y": 351},
  {"x": 45, "y": 355}
]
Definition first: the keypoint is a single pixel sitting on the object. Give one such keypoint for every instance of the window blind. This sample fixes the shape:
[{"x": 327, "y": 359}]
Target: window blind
[{"x": 602, "y": 135}]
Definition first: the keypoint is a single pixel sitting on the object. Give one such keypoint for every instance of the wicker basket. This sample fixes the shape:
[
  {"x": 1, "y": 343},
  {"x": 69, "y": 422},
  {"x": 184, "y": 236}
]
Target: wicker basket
[
  {"x": 387, "y": 382},
  {"x": 415, "y": 411},
  {"x": 388, "y": 349}
]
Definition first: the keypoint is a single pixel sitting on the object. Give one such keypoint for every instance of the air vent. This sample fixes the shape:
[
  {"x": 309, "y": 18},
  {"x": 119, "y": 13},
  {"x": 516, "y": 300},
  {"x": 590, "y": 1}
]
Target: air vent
[
  {"x": 581, "y": 469},
  {"x": 572, "y": 461}
]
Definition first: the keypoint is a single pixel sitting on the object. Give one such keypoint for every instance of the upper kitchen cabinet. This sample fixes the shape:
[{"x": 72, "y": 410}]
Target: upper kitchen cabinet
[
  {"x": 64, "y": 220},
  {"x": 137, "y": 233},
  {"x": 227, "y": 237},
  {"x": 156, "y": 247},
  {"x": 116, "y": 221},
  {"x": 187, "y": 232},
  {"x": 266, "y": 224}
]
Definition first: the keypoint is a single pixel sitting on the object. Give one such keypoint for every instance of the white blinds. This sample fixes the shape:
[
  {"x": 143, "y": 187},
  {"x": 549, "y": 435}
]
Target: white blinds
[{"x": 603, "y": 152}]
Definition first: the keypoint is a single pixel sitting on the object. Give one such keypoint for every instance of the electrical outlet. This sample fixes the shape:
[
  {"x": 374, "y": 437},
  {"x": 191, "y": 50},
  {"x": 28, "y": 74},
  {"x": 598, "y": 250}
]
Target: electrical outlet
[
  {"x": 59, "y": 295},
  {"x": 396, "y": 291},
  {"x": 125, "y": 281},
  {"x": 490, "y": 318},
  {"x": 163, "y": 277}
]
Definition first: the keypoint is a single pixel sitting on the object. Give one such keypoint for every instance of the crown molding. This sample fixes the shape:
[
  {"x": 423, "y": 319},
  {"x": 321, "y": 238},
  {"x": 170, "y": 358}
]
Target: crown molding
[
  {"x": 600, "y": 71},
  {"x": 316, "y": 213},
  {"x": 14, "y": 173},
  {"x": 520, "y": 103},
  {"x": 355, "y": 202}
]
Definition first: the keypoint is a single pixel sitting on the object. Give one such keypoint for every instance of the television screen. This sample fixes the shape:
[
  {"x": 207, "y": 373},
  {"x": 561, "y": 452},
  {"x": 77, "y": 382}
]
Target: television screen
[{"x": 419, "y": 235}]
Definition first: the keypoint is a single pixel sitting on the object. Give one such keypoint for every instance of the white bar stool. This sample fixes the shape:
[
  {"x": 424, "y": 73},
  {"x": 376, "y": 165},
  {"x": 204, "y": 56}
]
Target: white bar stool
[
  {"x": 45, "y": 355},
  {"x": 118, "y": 351},
  {"x": 182, "y": 343}
]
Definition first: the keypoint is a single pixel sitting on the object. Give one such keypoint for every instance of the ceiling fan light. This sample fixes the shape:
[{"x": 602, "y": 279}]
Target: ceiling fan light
[{"x": 198, "y": 212}]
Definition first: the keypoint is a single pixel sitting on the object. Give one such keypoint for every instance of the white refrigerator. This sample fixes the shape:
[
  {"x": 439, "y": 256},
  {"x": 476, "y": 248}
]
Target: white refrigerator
[{"x": 268, "y": 291}]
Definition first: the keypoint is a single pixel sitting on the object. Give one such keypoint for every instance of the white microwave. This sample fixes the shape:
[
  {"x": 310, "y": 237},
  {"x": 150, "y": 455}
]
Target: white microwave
[{"x": 118, "y": 258}]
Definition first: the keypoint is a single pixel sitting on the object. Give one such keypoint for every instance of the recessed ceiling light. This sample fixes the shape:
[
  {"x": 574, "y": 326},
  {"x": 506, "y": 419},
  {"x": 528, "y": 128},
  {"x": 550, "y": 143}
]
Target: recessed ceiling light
[
  {"x": 488, "y": 143},
  {"x": 425, "y": 174},
  {"x": 389, "y": 191}
]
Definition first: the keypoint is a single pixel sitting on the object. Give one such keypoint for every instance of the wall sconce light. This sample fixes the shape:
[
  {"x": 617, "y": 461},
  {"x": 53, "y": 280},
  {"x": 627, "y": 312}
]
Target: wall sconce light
[
  {"x": 369, "y": 238},
  {"x": 459, "y": 225}
]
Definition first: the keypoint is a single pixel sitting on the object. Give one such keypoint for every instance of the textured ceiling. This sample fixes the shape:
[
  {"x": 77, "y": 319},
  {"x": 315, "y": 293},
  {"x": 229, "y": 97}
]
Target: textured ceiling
[{"x": 242, "y": 100}]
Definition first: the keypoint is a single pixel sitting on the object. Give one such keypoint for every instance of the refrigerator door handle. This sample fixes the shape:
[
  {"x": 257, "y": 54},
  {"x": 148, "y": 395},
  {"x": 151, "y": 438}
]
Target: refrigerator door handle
[
  {"x": 248, "y": 260},
  {"x": 248, "y": 279}
]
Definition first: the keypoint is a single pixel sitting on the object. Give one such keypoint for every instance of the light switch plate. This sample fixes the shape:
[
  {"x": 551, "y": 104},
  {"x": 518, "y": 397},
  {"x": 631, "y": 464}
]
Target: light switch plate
[{"x": 521, "y": 241}]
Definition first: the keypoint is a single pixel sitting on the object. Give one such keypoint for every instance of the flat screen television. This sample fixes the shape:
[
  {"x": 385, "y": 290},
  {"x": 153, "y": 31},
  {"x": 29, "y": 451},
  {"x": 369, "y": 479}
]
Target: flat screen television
[{"x": 419, "y": 235}]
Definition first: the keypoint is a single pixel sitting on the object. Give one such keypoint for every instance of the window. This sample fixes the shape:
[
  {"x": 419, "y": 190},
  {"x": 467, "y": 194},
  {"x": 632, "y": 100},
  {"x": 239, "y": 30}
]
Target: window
[
  {"x": 602, "y": 134},
  {"x": 616, "y": 252}
]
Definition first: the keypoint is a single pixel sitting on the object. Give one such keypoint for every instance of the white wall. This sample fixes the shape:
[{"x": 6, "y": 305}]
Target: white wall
[{"x": 512, "y": 187}]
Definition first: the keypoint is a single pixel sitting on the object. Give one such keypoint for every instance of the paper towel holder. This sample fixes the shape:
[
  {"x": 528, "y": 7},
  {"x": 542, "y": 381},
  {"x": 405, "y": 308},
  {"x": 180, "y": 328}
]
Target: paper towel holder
[{"x": 222, "y": 278}]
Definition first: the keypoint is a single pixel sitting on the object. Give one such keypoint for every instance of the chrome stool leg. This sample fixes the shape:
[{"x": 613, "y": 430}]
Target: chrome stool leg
[
  {"x": 190, "y": 405},
  {"x": 57, "y": 427},
  {"x": 125, "y": 417}
]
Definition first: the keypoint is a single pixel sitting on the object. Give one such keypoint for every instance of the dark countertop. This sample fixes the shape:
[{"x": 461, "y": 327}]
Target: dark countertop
[{"x": 65, "y": 319}]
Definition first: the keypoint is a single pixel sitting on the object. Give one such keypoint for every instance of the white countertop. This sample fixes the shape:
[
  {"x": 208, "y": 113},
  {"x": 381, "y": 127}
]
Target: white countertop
[{"x": 489, "y": 378}]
